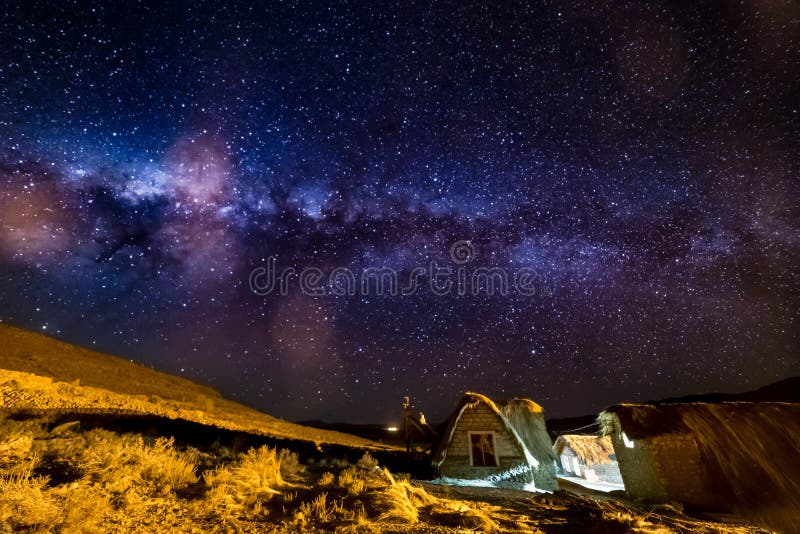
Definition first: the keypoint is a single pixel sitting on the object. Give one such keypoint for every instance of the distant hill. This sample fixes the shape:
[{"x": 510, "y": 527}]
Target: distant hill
[
  {"x": 39, "y": 373},
  {"x": 367, "y": 431},
  {"x": 582, "y": 424},
  {"x": 23, "y": 350},
  {"x": 787, "y": 390}
]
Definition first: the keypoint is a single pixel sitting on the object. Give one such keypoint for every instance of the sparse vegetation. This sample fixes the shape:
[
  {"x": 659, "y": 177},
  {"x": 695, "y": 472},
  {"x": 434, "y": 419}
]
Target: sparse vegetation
[
  {"x": 110, "y": 482},
  {"x": 128, "y": 469},
  {"x": 24, "y": 501},
  {"x": 259, "y": 475}
]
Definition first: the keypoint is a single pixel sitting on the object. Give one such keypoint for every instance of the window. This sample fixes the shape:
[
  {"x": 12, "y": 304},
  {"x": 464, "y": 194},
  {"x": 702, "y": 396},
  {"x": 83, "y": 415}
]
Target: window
[
  {"x": 482, "y": 449},
  {"x": 627, "y": 441},
  {"x": 567, "y": 463},
  {"x": 576, "y": 466}
]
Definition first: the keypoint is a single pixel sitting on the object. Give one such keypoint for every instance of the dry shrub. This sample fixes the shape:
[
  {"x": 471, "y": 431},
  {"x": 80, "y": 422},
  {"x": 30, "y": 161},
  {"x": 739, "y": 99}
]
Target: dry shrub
[
  {"x": 367, "y": 463},
  {"x": 110, "y": 462},
  {"x": 166, "y": 467},
  {"x": 326, "y": 479},
  {"x": 316, "y": 509},
  {"x": 253, "y": 480},
  {"x": 18, "y": 443},
  {"x": 361, "y": 477},
  {"x": 84, "y": 509},
  {"x": 291, "y": 468},
  {"x": 24, "y": 503},
  {"x": 357, "y": 487},
  {"x": 124, "y": 465},
  {"x": 14, "y": 450},
  {"x": 347, "y": 477}
]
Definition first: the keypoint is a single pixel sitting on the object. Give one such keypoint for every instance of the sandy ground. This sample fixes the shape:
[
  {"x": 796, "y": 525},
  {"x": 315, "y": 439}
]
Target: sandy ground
[
  {"x": 578, "y": 509},
  {"x": 599, "y": 486}
]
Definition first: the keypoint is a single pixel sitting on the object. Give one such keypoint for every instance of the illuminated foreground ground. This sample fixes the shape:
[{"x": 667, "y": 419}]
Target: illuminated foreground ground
[
  {"x": 93, "y": 443},
  {"x": 66, "y": 478}
]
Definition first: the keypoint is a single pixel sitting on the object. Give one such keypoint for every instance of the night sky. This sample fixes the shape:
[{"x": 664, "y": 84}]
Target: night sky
[{"x": 642, "y": 158}]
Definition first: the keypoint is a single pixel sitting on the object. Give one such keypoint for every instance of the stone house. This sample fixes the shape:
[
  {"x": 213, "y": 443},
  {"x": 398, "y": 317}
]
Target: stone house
[
  {"x": 479, "y": 442},
  {"x": 589, "y": 457},
  {"x": 733, "y": 456}
]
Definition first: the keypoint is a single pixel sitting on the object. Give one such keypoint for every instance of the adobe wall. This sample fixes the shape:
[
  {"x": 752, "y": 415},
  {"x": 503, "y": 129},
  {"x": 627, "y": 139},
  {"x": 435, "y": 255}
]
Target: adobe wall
[
  {"x": 682, "y": 471},
  {"x": 637, "y": 466},
  {"x": 664, "y": 468},
  {"x": 605, "y": 472}
]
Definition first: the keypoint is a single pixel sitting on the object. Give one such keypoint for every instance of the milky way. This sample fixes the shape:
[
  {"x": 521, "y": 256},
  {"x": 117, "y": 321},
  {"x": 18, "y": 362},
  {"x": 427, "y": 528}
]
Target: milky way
[{"x": 642, "y": 159}]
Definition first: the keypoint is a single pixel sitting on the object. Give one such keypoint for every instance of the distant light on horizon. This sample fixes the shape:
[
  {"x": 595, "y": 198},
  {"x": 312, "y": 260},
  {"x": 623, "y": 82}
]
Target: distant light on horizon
[
  {"x": 391, "y": 429},
  {"x": 321, "y": 239}
]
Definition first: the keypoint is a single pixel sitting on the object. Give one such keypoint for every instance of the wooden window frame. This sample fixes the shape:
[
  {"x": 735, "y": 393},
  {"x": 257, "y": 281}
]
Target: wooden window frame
[{"x": 495, "y": 444}]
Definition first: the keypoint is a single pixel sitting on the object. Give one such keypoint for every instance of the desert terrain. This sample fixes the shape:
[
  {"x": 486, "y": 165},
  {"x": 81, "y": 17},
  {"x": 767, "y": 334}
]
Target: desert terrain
[{"x": 94, "y": 443}]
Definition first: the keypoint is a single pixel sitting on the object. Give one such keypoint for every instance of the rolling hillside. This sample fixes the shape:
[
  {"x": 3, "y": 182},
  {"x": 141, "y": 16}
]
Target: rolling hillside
[{"x": 39, "y": 373}]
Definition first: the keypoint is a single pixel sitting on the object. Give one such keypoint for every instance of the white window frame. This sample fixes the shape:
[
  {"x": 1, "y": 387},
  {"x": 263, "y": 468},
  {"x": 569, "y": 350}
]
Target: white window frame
[
  {"x": 576, "y": 464},
  {"x": 495, "y": 442},
  {"x": 566, "y": 463}
]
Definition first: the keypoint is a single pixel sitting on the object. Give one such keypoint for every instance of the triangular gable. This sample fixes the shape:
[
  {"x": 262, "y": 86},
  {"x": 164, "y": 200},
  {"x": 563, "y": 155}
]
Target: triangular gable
[{"x": 469, "y": 400}]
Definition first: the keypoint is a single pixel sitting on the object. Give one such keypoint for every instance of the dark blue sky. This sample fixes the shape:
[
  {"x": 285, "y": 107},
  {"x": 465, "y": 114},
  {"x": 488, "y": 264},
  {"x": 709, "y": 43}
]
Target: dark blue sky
[{"x": 641, "y": 158}]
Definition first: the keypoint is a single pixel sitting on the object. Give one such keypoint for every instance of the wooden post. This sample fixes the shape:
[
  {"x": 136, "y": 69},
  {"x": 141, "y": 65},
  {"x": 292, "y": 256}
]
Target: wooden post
[{"x": 406, "y": 430}]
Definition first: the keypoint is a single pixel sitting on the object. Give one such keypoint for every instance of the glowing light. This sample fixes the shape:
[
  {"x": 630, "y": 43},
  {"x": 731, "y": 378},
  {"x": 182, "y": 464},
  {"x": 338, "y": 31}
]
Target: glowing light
[{"x": 391, "y": 429}]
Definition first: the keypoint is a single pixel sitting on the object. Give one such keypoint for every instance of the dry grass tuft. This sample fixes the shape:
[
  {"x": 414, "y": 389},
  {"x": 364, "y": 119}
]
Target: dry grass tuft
[
  {"x": 348, "y": 477},
  {"x": 320, "y": 511},
  {"x": 316, "y": 509},
  {"x": 367, "y": 463},
  {"x": 24, "y": 504},
  {"x": 258, "y": 476},
  {"x": 326, "y": 479},
  {"x": 291, "y": 468},
  {"x": 84, "y": 509},
  {"x": 400, "y": 501},
  {"x": 166, "y": 467},
  {"x": 122, "y": 464},
  {"x": 15, "y": 448}
]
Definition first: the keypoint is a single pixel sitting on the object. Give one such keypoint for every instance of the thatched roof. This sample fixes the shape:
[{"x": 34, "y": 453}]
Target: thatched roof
[
  {"x": 592, "y": 449},
  {"x": 527, "y": 404},
  {"x": 640, "y": 421},
  {"x": 750, "y": 450},
  {"x": 469, "y": 400},
  {"x": 527, "y": 418}
]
